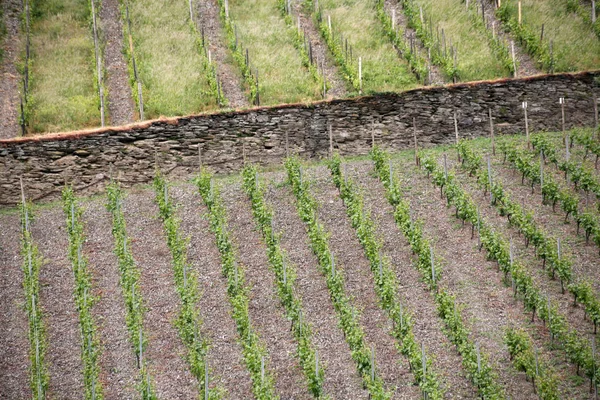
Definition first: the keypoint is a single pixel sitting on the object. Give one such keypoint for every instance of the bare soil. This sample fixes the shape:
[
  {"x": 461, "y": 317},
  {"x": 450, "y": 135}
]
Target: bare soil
[
  {"x": 225, "y": 354},
  {"x": 265, "y": 310},
  {"x": 341, "y": 377},
  {"x": 165, "y": 351},
  {"x": 10, "y": 76},
  {"x": 338, "y": 86},
  {"x": 571, "y": 386},
  {"x": 351, "y": 261},
  {"x": 118, "y": 371},
  {"x": 14, "y": 330},
  {"x": 428, "y": 328},
  {"x": 436, "y": 75},
  {"x": 120, "y": 101},
  {"x": 208, "y": 20},
  {"x": 57, "y": 283}
]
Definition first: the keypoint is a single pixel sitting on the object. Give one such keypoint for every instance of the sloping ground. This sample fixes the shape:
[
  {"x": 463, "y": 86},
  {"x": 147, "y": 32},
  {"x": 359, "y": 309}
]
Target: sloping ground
[
  {"x": 487, "y": 304},
  {"x": 9, "y": 76}
]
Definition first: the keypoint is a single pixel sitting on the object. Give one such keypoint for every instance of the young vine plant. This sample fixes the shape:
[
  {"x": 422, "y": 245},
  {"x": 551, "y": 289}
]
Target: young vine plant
[{"x": 254, "y": 352}]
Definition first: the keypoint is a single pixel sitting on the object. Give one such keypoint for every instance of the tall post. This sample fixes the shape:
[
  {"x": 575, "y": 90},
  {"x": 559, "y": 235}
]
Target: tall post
[
  {"x": 524, "y": 105},
  {"x": 330, "y": 140},
  {"x": 455, "y": 127},
  {"x": 415, "y": 138},
  {"x": 562, "y": 113},
  {"x": 360, "y": 75},
  {"x": 492, "y": 131},
  {"x": 514, "y": 59},
  {"x": 519, "y": 12}
]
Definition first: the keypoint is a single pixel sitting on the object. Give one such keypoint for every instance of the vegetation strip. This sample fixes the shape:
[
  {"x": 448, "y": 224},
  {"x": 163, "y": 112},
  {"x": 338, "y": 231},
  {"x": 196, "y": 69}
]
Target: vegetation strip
[
  {"x": 546, "y": 248},
  {"x": 525, "y": 358},
  {"x": 130, "y": 283},
  {"x": 586, "y": 14},
  {"x": 347, "y": 314},
  {"x": 285, "y": 274},
  {"x": 189, "y": 321},
  {"x": 300, "y": 39},
  {"x": 238, "y": 53},
  {"x": 253, "y": 350},
  {"x": 418, "y": 63},
  {"x": 551, "y": 190},
  {"x": 37, "y": 332},
  {"x": 386, "y": 284},
  {"x": 438, "y": 54},
  {"x": 474, "y": 362},
  {"x": 577, "y": 349},
  {"x": 84, "y": 300}
]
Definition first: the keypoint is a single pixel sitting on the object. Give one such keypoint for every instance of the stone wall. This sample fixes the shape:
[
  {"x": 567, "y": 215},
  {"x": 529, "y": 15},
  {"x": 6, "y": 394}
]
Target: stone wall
[{"x": 129, "y": 153}]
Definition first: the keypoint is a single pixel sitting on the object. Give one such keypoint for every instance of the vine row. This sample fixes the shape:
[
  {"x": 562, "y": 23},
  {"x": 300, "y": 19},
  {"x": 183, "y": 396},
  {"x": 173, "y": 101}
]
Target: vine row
[
  {"x": 386, "y": 285},
  {"x": 84, "y": 300},
  {"x": 188, "y": 322},
  {"x": 130, "y": 283},
  {"x": 578, "y": 350},
  {"x": 347, "y": 313},
  {"x": 475, "y": 363},
  {"x": 285, "y": 275},
  {"x": 254, "y": 352}
]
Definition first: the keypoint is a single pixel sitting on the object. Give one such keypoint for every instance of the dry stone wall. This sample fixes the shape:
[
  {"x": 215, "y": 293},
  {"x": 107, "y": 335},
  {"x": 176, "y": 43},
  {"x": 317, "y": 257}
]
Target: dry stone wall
[{"x": 88, "y": 158}]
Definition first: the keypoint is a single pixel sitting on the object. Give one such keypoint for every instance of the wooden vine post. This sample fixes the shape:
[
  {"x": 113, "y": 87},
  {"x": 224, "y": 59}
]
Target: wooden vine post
[
  {"x": 561, "y": 101},
  {"x": 519, "y": 6},
  {"x": 415, "y": 139},
  {"x": 330, "y": 140},
  {"x": 524, "y": 106},
  {"x": 98, "y": 63},
  {"x": 360, "y": 84},
  {"x": 492, "y": 131}
]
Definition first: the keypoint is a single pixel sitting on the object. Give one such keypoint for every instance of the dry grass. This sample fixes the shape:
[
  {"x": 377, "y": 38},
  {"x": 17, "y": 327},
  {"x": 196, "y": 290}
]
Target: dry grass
[
  {"x": 282, "y": 78},
  {"x": 576, "y": 47},
  {"x": 63, "y": 94},
  {"x": 169, "y": 65},
  {"x": 383, "y": 70},
  {"x": 475, "y": 59}
]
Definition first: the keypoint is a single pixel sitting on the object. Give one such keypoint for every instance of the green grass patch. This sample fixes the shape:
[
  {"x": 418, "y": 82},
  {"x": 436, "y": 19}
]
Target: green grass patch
[
  {"x": 282, "y": 77},
  {"x": 357, "y": 21},
  {"x": 475, "y": 60},
  {"x": 63, "y": 92},
  {"x": 575, "y": 46},
  {"x": 170, "y": 67}
]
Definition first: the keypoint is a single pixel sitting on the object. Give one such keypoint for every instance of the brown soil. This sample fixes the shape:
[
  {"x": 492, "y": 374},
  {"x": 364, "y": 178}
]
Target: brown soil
[
  {"x": 14, "y": 345},
  {"x": 117, "y": 359},
  {"x": 321, "y": 54},
  {"x": 229, "y": 75},
  {"x": 341, "y": 377},
  {"x": 266, "y": 313},
  {"x": 350, "y": 260},
  {"x": 63, "y": 354},
  {"x": 10, "y": 77},
  {"x": 526, "y": 256},
  {"x": 165, "y": 351},
  {"x": 414, "y": 295},
  {"x": 527, "y": 66},
  {"x": 225, "y": 354},
  {"x": 120, "y": 101},
  {"x": 437, "y": 77}
]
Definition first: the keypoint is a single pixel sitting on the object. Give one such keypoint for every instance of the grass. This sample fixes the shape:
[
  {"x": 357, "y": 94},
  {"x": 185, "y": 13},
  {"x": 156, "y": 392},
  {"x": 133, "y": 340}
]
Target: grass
[
  {"x": 382, "y": 68},
  {"x": 475, "y": 59},
  {"x": 2, "y": 33},
  {"x": 261, "y": 29},
  {"x": 62, "y": 84},
  {"x": 169, "y": 64},
  {"x": 576, "y": 47}
]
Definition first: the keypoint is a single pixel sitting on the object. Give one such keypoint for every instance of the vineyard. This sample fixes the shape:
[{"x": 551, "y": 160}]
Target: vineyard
[
  {"x": 132, "y": 60},
  {"x": 462, "y": 271}
]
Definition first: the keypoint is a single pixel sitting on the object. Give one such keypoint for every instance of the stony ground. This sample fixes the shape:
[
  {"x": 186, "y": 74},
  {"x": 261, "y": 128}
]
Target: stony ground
[{"x": 488, "y": 304}]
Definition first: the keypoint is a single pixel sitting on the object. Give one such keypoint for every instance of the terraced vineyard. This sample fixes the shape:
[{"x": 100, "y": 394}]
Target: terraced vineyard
[
  {"x": 131, "y": 60},
  {"x": 471, "y": 275}
]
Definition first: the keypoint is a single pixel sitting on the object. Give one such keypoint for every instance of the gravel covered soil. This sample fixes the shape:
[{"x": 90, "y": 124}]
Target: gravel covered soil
[
  {"x": 586, "y": 260},
  {"x": 165, "y": 351},
  {"x": 348, "y": 252},
  {"x": 342, "y": 380},
  {"x": 118, "y": 371},
  {"x": 266, "y": 313},
  {"x": 208, "y": 18},
  {"x": 321, "y": 54},
  {"x": 120, "y": 100},
  {"x": 414, "y": 295},
  {"x": 488, "y": 306},
  {"x": 570, "y": 386},
  {"x": 14, "y": 330},
  {"x": 57, "y": 283},
  {"x": 225, "y": 354},
  {"x": 9, "y": 75}
]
